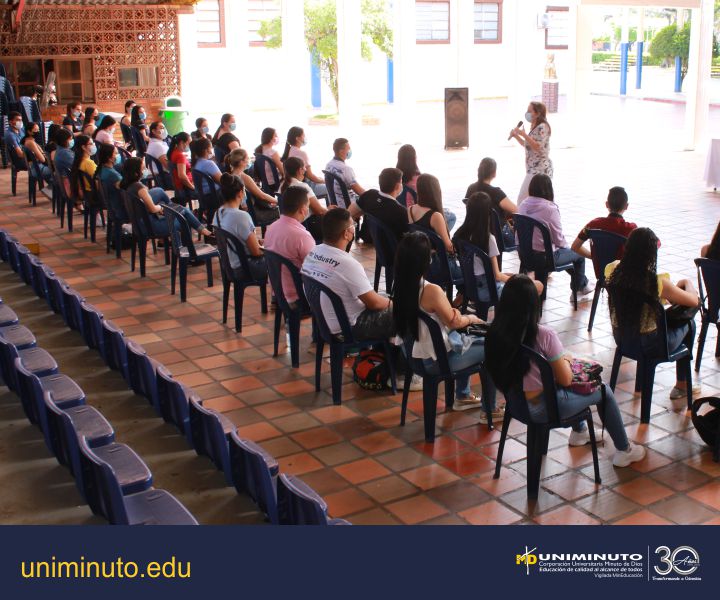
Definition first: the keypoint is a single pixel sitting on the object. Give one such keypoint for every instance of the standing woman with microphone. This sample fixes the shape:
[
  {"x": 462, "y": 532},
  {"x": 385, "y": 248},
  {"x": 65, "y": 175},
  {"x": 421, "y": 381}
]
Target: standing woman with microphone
[{"x": 537, "y": 145}]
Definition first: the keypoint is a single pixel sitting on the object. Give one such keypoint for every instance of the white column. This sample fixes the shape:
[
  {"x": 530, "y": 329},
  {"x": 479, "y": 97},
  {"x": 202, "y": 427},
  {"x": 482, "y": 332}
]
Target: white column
[
  {"x": 296, "y": 71},
  {"x": 529, "y": 56},
  {"x": 189, "y": 71},
  {"x": 579, "y": 71},
  {"x": 697, "y": 80},
  {"x": 349, "y": 57},
  {"x": 404, "y": 66},
  {"x": 464, "y": 41},
  {"x": 625, "y": 29},
  {"x": 641, "y": 24}
]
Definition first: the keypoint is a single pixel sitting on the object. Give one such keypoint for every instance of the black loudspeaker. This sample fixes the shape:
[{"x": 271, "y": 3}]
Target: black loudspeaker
[{"x": 456, "y": 118}]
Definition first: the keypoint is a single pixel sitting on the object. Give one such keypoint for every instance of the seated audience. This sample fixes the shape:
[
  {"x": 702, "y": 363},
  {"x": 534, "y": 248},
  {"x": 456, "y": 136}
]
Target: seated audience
[
  {"x": 413, "y": 294},
  {"x": 382, "y": 205},
  {"x": 289, "y": 238},
  {"x": 14, "y": 136},
  {"x": 157, "y": 146},
  {"x": 238, "y": 162},
  {"x": 516, "y": 324},
  {"x": 108, "y": 159},
  {"x": 201, "y": 129},
  {"x": 179, "y": 165},
  {"x": 540, "y": 205},
  {"x": 89, "y": 123},
  {"x": 73, "y": 121},
  {"x": 342, "y": 150},
  {"x": 617, "y": 203},
  {"x": 506, "y": 208},
  {"x": 127, "y": 117},
  {"x": 224, "y": 137},
  {"x": 64, "y": 154},
  {"x": 42, "y": 170},
  {"x": 369, "y": 313},
  {"x": 230, "y": 218},
  {"x": 137, "y": 123},
  {"x": 635, "y": 279},
  {"x": 268, "y": 141},
  {"x": 294, "y": 173},
  {"x": 202, "y": 160},
  {"x": 407, "y": 163},
  {"x": 105, "y": 132},
  {"x": 296, "y": 139}
]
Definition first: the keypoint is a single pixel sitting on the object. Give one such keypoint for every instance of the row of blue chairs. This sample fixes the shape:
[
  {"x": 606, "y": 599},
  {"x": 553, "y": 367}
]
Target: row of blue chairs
[{"x": 284, "y": 498}]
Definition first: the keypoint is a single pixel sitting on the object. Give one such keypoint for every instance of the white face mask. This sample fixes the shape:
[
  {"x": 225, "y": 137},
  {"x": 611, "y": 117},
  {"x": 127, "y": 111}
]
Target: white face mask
[{"x": 528, "y": 117}]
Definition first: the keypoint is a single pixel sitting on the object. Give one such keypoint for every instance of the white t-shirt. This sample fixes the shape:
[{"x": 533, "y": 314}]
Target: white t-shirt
[
  {"x": 479, "y": 268},
  {"x": 347, "y": 175},
  {"x": 296, "y": 152},
  {"x": 156, "y": 148},
  {"x": 270, "y": 153},
  {"x": 343, "y": 275},
  {"x": 301, "y": 184}
]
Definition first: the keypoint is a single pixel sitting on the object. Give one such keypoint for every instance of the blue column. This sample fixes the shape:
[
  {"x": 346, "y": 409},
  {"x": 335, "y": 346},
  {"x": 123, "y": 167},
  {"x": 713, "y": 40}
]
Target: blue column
[
  {"x": 678, "y": 74},
  {"x": 623, "y": 68},
  {"x": 315, "y": 92},
  {"x": 390, "y": 81},
  {"x": 639, "y": 65}
]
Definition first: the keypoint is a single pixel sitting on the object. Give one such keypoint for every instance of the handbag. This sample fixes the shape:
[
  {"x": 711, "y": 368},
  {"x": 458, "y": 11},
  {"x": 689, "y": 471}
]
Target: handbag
[
  {"x": 586, "y": 377},
  {"x": 679, "y": 316}
]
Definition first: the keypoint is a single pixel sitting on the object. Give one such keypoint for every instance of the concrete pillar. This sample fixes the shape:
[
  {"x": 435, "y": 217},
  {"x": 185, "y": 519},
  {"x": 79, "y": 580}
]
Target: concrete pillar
[
  {"x": 625, "y": 27},
  {"x": 295, "y": 70},
  {"x": 697, "y": 80},
  {"x": 579, "y": 71},
  {"x": 529, "y": 55},
  {"x": 464, "y": 32},
  {"x": 349, "y": 57},
  {"x": 404, "y": 70},
  {"x": 189, "y": 74}
]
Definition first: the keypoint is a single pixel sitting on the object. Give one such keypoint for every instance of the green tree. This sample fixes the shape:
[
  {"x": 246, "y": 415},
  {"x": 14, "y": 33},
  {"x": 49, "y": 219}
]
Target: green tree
[
  {"x": 321, "y": 35},
  {"x": 670, "y": 42}
]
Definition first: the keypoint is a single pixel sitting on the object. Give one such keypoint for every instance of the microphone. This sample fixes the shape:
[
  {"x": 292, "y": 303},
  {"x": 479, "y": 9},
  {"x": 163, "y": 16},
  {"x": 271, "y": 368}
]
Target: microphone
[{"x": 518, "y": 126}]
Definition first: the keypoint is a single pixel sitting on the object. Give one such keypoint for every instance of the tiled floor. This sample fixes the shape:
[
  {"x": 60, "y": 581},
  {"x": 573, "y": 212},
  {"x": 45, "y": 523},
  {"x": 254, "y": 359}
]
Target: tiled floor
[{"x": 369, "y": 469}]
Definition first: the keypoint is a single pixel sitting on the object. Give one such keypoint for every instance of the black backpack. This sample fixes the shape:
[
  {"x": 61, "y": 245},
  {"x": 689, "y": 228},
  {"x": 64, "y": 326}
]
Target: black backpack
[{"x": 708, "y": 424}]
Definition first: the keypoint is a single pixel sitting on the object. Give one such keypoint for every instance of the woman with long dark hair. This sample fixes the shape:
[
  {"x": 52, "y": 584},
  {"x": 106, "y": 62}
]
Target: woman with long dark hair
[
  {"x": 268, "y": 141},
  {"x": 84, "y": 149},
  {"x": 712, "y": 250},
  {"x": 407, "y": 163},
  {"x": 296, "y": 139},
  {"x": 537, "y": 145},
  {"x": 89, "y": 123},
  {"x": 107, "y": 173},
  {"x": 127, "y": 117},
  {"x": 238, "y": 162},
  {"x": 138, "y": 116},
  {"x": 72, "y": 120},
  {"x": 635, "y": 280},
  {"x": 515, "y": 325},
  {"x": 179, "y": 165},
  {"x": 225, "y": 137},
  {"x": 413, "y": 294},
  {"x": 105, "y": 132}
]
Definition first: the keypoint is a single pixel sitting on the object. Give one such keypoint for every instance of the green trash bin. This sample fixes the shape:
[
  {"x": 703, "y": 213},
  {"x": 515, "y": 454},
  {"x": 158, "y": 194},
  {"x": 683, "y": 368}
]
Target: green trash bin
[{"x": 173, "y": 115}]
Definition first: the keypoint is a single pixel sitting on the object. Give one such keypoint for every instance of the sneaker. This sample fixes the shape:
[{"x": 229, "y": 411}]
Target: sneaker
[
  {"x": 579, "y": 438},
  {"x": 677, "y": 393},
  {"x": 471, "y": 401},
  {"x": 634, "y": 453},
  {"x": 497, "y": 415},
  {"x": 589, "y": 288},
  {"x": 416, "y": 383}
]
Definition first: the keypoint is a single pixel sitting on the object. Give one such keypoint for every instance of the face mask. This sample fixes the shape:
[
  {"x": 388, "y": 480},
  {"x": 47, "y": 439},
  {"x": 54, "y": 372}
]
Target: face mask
[
  {"x": 349, "y": 154},
  {"x": 303, "y": 142},
  {"x": 146, "y": 174},
  {"x": 205, "y": 130},
  {"x": 141, "y": 116},
  {"x": 118, "y": 159},
  {"x": 233, "y": 126},
  {"x": 162, "y": 133},
  {"x": 17, "y": 125},
  {"x": 93, "y": 150},
  {"x": 72, "y": 143},
  {"x": 251, "y": 164},
  {"x": 528, "y": 117},
  {"x": 76, "y": 114}
]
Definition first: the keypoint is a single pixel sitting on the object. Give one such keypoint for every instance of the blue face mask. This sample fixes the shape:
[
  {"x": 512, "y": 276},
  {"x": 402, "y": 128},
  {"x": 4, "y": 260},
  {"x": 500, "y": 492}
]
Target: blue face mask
[
  {"x": 146, "y": 174},
  {"x": 118, "y": 159},
  {"x": 233, "y": 126},
  {"x": 72, "y": 143},
  {"x": 77, "y": 114},
  {"x": 205, "y": 130},
  {"x": 93, "y": 150},
  {"x": 349, "y": 154},
  {"x": 142, "y": 116}
]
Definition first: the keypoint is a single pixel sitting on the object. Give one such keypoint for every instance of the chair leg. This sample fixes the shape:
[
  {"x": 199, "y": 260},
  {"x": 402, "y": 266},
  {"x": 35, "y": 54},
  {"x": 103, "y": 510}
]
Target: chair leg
[
  {"x": 430, "y": 391},
  {"x": 173, "y": 274},
  {"x": 166, "y": 243},
  {"x": 263, "y": 299},
  {"x": 688, "y": 381},
  {"x": 86, "y": 218},
  {"x": 225, "y": 298},
  {"x": 376, "y": 282},
  {"x": 142, "y": 249},
  {"x": 391, "y": 366},
  {"x": 337, "y": 356},
  {"x": 183, "y": 279},
  {"x": 209, "y": 267},
  {"x": 639, "y": 376},
  {"x": 705, "y": 324},
  {"x": 596, "y": 299},
  {"x": 276, "y": 331},
  {"x": 486, "y": 383},
  {"x": 239, "y": 298},
  {"x": 388, "y": 280},
  {"x": 118, "y": 239},
  {"x": 319, "y": 348},
  {"x": 406, "y": 393},
  {"x": 717, "y": 343},
  {"x": 535, "y": 440},
  {"x": 647, "y": 391},
  {"x": 593, "y": 445},
  {"x": 293, "y": 324},
  {"x": 501, "y": 446},
  {"x": 615, "y": 369},
  {"x": 449, "y": 393}
]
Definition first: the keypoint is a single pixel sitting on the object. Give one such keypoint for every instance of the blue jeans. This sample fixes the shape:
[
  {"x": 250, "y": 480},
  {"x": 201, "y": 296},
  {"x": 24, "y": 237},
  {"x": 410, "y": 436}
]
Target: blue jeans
[
  {"x": 450, "y": 218},
  {"x": 474, "y": 355},
  {"x": 435, "y": 271},
  {"x": 319, "y": 189},
  {"x": 43, "y": 172},
  {"x": 565, "y": 255},
  {"x": 484, "y": 290},
  {"x": 159, "y": 223},
  {"x": 570, "y": 403}
]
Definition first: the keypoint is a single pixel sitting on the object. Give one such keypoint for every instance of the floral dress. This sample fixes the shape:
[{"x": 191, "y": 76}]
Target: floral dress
[{"x": 539, "y": 162}]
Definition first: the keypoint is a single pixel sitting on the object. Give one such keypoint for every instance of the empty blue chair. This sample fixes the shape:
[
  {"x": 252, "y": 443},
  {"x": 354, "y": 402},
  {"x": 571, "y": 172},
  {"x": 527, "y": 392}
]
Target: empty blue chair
[
  {"x": 605, "y": 247},
  {"x": 299, "y": 504},
  {"x": 314, "y": 290},
  {"x": 66, "y": 393},
  {"x": 19, "y": 336},
  {"x": 115, "y": 349},
  {"x": 14, "y": 251},
  {"x": 55, "y": 297},
  {"x": 208, "y": 195},
  {"x": 210, "y": 432},
  {"x": 151, "y": 507},
  {"x": 25, "y": 269},
  {"x": 709, "y": 273},
  {"x": 72, "y": 314},
  {"x": 92, "y": 328},
  {"x": 162, "y": 178},
  {"x": 262, "y": 163},
  {"x": 7, "y": 316},
  {"x": 36, "y": 360},
  {"x": 142, "y": 232},
  {"x": 142, "y": 370},
  {"x": 254, "y": 472},
  {"x": 40, "y": 273},
  {"x": 5, "y": 239},
  {"x": 174, "y": 401}
]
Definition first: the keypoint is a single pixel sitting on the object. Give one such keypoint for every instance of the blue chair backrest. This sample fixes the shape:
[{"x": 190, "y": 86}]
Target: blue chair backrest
[
  {"x": 298, "y": 503},
  {"x": 72, "y": 313},
  {"x": 443, "y": 276},
  {"x": 115, "y": 348},
  {"x": 525, "y": 228},
  {"x": 226, "y": 243},
  {"x": 39, "y": 276},
  {"x": 56, "y": 299},
  {"x": 92, "y": 320},
  {"x": 407, "y": 194},
  {"x": 63, "y": 433},
  {"x": 143, "y": 380},
  {"x": 275, "y": 263},
  {"x": 14, "y": 255},
  {"x": 162, "y": 178},
  {"x": 330, "y": 180},
  {"x": 262, "y": 163},
  {"x": 467, "y": 254},
  {"x": 180, "y": 232},
  {"x": 384, "y": 240},
  {"x": 5, "y": 239},
  {"x": 314, "y": 290},
  {"x": 605, "y": 247},
  {"x": 25, "y": 269},
  {"x": 30, "y": 391},
  {"x": 109, "y": 493},
  {"x": 497, "y": 220},
  {"x": 86, "y": 187},
  {"x": 173, "y": 400},
  {"x": 207, "y": 192},
  {"x": 517, "y": 404},
  {"x": 208, "y": 436},
  {"x": 710, "y": 271},
  {"x": 139, "y": 216},
  {"x": 255, "y": 472},
  {"x": 8, "y": 354}
]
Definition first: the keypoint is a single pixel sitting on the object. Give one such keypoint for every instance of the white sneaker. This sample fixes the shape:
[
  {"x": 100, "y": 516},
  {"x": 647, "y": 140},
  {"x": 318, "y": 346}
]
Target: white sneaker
[
  {"x": 676, "y": 393},
  {"x": 634, "y": 453},
  {"x": 416, "y": 383},
  {"x": 589, "y": 288},
  {"x": 579, "y": 438}
]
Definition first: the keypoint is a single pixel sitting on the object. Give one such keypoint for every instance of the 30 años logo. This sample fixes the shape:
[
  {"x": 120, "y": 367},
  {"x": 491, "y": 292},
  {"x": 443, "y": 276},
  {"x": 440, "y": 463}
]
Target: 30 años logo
[{"x": 683, "y": 561}]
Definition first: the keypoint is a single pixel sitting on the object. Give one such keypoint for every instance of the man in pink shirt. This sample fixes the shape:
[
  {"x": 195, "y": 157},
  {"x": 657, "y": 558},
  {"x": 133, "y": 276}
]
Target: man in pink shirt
[{"x": 288, "y": 237}]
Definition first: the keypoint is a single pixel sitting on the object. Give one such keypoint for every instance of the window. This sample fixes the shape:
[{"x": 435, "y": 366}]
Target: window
[
  {"x": 74, "y": 81},
  {"x": 136, "y": 77},
  {"x": 210, "y": 15},
  {"x": 487, "y": 22},
  {"x": 432, "y": 22},
  {"x": 557, "y": 32},
  {"x": 259, "y": 11}
]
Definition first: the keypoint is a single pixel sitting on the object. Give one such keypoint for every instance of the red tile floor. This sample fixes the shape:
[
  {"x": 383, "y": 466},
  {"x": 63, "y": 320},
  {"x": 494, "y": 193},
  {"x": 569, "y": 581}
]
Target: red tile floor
[{"x": 368, "y": 468}]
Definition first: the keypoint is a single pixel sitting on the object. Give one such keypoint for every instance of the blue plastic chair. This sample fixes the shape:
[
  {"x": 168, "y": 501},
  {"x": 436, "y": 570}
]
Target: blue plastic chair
[
  {"x": 151, "y": 507},
  {"x": 92, "y": 328},
  {"x": 708, "y": 272},
  {"x": 40, "y": 272},
  {"x": 7, "y": 316},
  {"x": 299, "y": 504},
  {"x": 314, "y": 290},
  {"x": 115, "y": 348},
  {"x": 185, "y": 251},
  {"x": 220, "y": 155},
  {"x": 174, "y": 402},
  {"x": 138, "y": 141},
  {"x": 254, "y": 472},
  {"x": 92, "y": 204},
  {"x": 117, "y": 216},
  {"x": 630, "y": 345},
  {"x": 293, "y": 314},
  {"x": 431, "y": 381},
  {"x": 25, "y": 267},
  {"x": 65, "y": 203},
  {"x": 538, "y": 434},
  {"x": 496, "y": 226},
  {"x": 403, "y": 197},
  {"x": 14, "y": 250},
  {"x": 330, "y": 180},
  {"x": 443, "y": 277},
  {"x": 207, "y": 193},
  {"x": 36, "y": 360},
  {"x": 226, "y": 243},
  {"x": 210, "y": 433},
  {"x": 467, "y": 254},
  {"x": 17, "y": 165},
  {"x": 71, "y": 312},
  {"x": 605, "y": 247},
  {"x": 34, "y": 182},
  {"x": 160, "y": 176},
  {"x": 55, "y": 297},
  {"x": 261, "y": 164},
  {"x": 143, "y": 374},
  {"x": 5, "y": 239},
  {"x": 385, "y": 243},
  {"x": 543, "y": 262},
  {"x": 126, "y": 133},
  {"x": 18, "y": 335},
  {"x": 142, "y": 232}
]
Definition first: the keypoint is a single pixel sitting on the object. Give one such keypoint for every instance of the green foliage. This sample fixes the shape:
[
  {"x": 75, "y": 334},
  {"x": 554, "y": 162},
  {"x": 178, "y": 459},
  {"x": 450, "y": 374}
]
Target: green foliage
[
  {"x": 632, "y": 34},
  {"x": 321, "y": 35},
  {"x": 598, "y": 57},
  {"x": 670, "y": 42}
]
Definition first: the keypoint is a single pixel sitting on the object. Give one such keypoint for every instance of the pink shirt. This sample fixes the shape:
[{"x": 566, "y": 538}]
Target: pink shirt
[
  {"x": 104, "y": 137},
  {"x": 549, "y": 345},
  {"x": 546, "y": 212},
  {"x": 287, "y": 237}
]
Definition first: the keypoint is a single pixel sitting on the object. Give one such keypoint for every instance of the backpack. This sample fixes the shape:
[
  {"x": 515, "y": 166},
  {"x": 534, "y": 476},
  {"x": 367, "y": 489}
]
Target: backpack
[
  {"x": 586, "y": 375},
  {"x": 370, "y": 371},
  {"x": 707, "y": 425}
]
